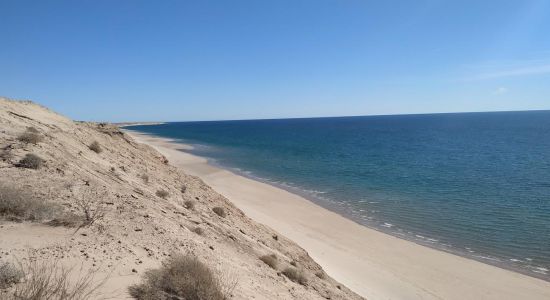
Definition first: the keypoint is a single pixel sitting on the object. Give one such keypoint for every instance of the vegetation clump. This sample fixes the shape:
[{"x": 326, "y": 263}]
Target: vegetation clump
[
  {"x": 162, "y": 194},
  {"x": 50, "y": 280},
  {"x": 181, "y": 277},
  {"x": 198, "y": 230},
  {"x": 18, "y": 204},
  {"x": 270, "y": 260},
  {"x": 9, "y": 275},
  {"x": 145, "y": 178},
  {"x": 295, "y": 275},
  {"x": 189, "y": 204},
  {"x": 31, "y": 161},
  {"x": 31, "y": 136},
  {"x": 96, "y": 147},
  {"x": 219, "y": 211}
]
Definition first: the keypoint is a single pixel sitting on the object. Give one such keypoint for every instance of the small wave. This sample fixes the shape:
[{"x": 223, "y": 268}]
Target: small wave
[
  {"x": 487, "y": 257},
  {"x": 388, "y": 225},
  {"x": 515, "y": 260}
]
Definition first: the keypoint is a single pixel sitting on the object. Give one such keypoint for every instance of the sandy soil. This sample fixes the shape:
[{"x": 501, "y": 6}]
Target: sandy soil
[{"x": 371, "y": 263}]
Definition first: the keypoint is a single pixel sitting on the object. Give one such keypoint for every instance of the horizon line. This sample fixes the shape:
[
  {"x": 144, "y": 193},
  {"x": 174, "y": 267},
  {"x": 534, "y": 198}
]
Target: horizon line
[{"x": 327, "y": 117}]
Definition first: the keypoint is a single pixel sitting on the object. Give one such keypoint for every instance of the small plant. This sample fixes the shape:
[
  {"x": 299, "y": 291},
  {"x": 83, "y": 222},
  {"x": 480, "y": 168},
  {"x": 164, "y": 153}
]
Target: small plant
[
  {"x": 91, "y": 210},
  {"x": 30, "y": 137},
  {"x": 321, "y": 275},
  {"x": 31, "y": 161},
  {"x": 32, "y": 129},
  {"x": 198, "y": 230},
  {"x": 162, "y": 194},
  {"x": 51, "y": 280},
  {"x": 219, "y": 211},
  {"x": 66, "y": 220},
  {"x": 183, "y": 189},
  {"x": 20, "y": 204},
  {"x": 96, "y": 147},
  {"x": 189, "y": 204},
  {"x": 182, "y": 277},
  {"x": 295, "y": 275},
  {"x": 9, "y": 275},
  {"x": 145, "y": 178},
  {"x": 270, "y": 260}
]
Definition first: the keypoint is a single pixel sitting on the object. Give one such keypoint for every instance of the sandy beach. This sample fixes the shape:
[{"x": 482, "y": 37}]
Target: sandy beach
[{"x": 373, "y": 264}]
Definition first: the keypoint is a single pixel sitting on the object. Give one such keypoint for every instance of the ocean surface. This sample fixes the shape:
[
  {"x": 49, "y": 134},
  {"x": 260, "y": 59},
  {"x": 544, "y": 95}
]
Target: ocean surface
[{"x": 475, "y": 184}]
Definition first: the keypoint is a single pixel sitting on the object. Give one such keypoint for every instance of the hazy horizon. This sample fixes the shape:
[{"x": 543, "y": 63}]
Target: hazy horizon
[{"x": 215, "y": 60}]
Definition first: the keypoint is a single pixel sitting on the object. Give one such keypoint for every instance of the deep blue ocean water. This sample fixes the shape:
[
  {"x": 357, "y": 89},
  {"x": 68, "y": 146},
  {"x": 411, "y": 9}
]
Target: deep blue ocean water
[{"x": 476, "y": 184}]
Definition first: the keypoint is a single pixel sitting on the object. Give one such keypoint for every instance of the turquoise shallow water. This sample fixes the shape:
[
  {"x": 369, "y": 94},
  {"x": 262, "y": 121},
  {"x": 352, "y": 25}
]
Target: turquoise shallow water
[{"x": 476, "y": 184}]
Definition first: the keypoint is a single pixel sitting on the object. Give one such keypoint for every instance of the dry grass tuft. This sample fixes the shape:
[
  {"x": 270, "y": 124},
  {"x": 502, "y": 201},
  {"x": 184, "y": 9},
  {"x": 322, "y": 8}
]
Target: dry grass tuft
[
  {"x": 20, "y": 204},
  {"x": 145, "y": 178},
  {"x": 189, "y": 204},
  {"x": 295, "y": 275},
  {"x": 9, "y": 275},
  {"x": 67, "y": 220},
  {"x": 96, "y": 147},
  {"x": 270, "y": 260},
  {"x": 31, "y": 161},
  {"x": 219, "y": 211},
  {"x": 321, "y": 275},
  {"x": 30, "y": 137},
  {"x": 181, "y": 277},
  {"x": 198, "y": 230},
  {"x": 162, "y": 193},
  {"x": 50, "y": 280}
]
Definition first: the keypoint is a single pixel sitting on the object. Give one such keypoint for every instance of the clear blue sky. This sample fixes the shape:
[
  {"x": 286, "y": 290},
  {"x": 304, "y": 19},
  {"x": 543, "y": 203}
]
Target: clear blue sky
[{"x": 202, "y": 60}]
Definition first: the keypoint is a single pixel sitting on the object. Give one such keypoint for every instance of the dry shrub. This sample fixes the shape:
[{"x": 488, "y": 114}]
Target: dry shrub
[
  {"x": 96, "y": 147},
  {"x": 270, "y": 260},
  {"x": 295, "y": 275},
  {"x": 50, "y": 280},
  {"x": 198, "y": 230},
  {"x": 67, "y": 220},
  {"x": 9, "y": 275},
  {"x": 89, "y": 204},
  {"x": 30, "y": 137},
  {"x": 162, "y": 193},
  {"x": 32, "y": 129},
  {"x": 145, "y": 178},
  {"x": 189, "y": 204},
  {"x": 20, "y": 204},
  {"x": 183, "y": 189},
  {"x": 219, "y": 211},
  {"x": 321, "y": 275},
  {"x": 181, "y": 277},
  {"x": 31, "y": 161}
]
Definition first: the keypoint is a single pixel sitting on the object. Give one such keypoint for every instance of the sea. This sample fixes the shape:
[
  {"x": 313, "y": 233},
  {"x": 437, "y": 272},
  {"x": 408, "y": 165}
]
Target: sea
[{"x": 473, "y": 184}]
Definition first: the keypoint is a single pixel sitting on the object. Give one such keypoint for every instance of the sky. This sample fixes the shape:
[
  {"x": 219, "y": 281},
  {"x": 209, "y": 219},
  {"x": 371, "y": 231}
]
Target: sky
[{"x": 211, "y": 60}]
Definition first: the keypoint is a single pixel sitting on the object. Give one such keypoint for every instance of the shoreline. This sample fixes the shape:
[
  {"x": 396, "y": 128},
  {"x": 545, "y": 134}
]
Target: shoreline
[{"x": 373, "y": 263}]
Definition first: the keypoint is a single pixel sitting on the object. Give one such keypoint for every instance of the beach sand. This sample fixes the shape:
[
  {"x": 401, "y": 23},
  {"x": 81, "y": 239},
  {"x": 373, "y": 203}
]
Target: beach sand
[{"x": 373, "y": 264}]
